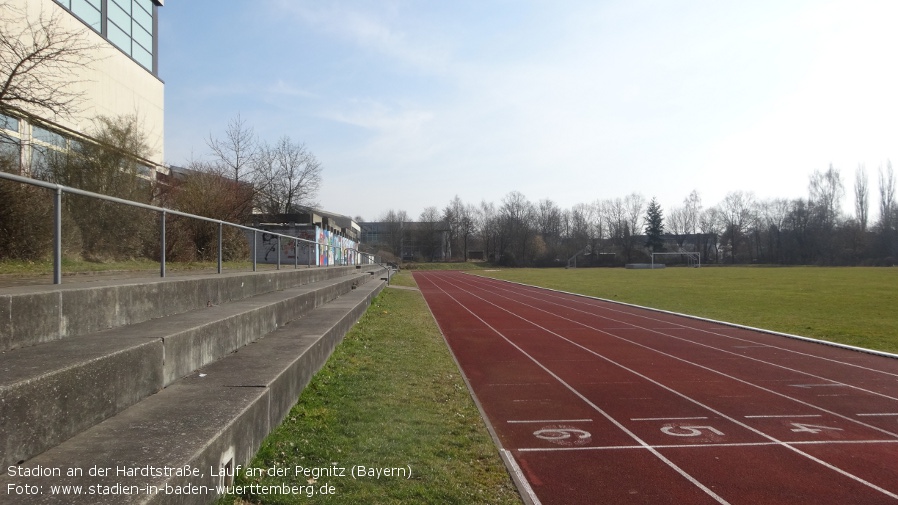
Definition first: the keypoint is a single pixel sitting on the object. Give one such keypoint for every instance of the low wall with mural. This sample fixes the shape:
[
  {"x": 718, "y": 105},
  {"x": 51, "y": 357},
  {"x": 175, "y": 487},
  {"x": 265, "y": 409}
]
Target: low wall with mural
[{"x": 316, "y": 246}]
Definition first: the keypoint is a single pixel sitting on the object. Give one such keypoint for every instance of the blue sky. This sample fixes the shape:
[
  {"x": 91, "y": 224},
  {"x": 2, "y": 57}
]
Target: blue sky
[{"x": 408, "y": 104}]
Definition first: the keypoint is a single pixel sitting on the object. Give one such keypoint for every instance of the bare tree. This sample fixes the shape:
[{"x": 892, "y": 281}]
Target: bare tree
[
  {"x": 516, "y": 217},
  {"x": 467, "y": 227},
  {"x": 236, "y": 155},
  {"x": 709, "y": 226},
  {"x": 861, "y": 197},
  {"x": 548, "y": 221},
  {"x": 428, "y": 229},
  {"x": 888, "y": 213},
  {"x": 692, "y": 206},
  {"x": 826, "y": 193},
  {"x": 394, "y": 222},
  {"x": 634, "y": 204},
  {"x": 488, "y": 226},
  {"x": 452, "y": 215},
  {"x": 41, "y": 61},
  {"x": 886, "y": 197},
  {"x": 287, "y": 176},
  {"x": 677, "y": 223},
  {"x": 735, "y": 213}
]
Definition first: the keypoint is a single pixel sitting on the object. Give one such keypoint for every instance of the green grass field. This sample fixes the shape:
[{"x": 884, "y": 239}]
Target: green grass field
[{"x": 855, "y": 306}]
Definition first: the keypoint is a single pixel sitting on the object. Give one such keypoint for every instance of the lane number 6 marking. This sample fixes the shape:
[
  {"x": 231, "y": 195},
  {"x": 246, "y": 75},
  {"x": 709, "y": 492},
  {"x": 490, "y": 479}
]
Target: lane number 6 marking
[{"x": 558, "y": 434}]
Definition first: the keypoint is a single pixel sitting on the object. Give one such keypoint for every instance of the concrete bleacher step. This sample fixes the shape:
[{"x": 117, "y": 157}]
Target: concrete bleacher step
[
  {"x": 34, "y": 314},
  {"x": 211, "y": 420},
  {"x": 52, "y": 391}
]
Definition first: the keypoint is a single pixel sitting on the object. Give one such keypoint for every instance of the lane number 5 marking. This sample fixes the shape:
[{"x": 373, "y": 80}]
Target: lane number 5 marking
[{"x": 689, "y": 431}]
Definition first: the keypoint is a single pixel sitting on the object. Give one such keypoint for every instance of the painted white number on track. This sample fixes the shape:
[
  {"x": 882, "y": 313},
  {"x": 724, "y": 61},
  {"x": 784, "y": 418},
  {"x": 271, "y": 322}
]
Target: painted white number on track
[
  {"x": 810, "y": 428},
  {"x": 564, "y": 435},
  {"x": 689, "y": 431}
]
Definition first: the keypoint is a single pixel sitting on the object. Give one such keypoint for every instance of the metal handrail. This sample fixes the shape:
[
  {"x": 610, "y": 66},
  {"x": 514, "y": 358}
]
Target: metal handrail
[{"x": 57, "y": 234}]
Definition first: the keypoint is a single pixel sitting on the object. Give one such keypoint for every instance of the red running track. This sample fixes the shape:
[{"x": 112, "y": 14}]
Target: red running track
[{"x": 597, "y": 402}]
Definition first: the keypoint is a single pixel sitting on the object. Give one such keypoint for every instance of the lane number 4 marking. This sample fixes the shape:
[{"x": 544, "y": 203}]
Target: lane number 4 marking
[{"x": 811, "y": 428}]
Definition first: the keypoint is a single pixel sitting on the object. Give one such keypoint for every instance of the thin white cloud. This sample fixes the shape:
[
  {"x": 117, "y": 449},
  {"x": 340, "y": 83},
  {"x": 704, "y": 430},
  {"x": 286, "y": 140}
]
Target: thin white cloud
[{"x": 284, "y": 88}]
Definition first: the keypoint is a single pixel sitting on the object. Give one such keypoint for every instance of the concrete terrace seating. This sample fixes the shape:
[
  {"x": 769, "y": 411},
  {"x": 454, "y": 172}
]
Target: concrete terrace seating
[{"x": 161, "y": 373}]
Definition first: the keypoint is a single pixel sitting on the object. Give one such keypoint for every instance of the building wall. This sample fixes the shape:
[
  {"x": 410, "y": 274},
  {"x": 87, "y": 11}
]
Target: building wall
[{"x": 113, "y": 85}]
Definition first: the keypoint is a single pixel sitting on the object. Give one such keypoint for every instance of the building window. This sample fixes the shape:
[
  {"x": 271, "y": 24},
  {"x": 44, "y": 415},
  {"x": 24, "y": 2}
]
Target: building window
[
  {"x": 45, "y": 146},
  {"x": 128, "y": 25},
  {"x": 88, "y": 10},
  {"x": 10, "y": 143}
]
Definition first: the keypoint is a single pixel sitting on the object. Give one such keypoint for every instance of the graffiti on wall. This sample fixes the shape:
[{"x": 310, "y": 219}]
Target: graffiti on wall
[{"x": 318, "y": 247}]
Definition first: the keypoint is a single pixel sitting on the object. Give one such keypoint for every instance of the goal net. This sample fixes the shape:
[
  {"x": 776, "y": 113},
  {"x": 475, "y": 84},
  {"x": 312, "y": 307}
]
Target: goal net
[{"x": 693, "y": 259}]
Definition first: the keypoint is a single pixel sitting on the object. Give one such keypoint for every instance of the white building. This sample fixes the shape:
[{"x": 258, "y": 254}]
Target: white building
[{"x": 121, "y": 78}]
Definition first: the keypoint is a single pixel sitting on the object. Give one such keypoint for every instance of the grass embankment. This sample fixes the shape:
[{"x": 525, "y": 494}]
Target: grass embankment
[
  {"x": 855, "y": 306},
  {"x": 390, "y": 397}
]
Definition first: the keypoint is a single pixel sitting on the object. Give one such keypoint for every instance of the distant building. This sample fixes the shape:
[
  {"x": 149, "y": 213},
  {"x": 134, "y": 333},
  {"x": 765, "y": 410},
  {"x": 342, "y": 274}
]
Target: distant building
[
  {"x": 123, "y": 78},
  {"x": 409, "y": 241},
  {"x": 325, "y": 238}
]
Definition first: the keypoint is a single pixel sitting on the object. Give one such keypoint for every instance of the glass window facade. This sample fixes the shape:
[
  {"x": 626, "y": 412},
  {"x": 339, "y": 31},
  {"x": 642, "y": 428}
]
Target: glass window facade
[
  {"x": 10, "y": 145},
  {"x": 127, "y": 24},
  {"x": 48, "y": 137}
]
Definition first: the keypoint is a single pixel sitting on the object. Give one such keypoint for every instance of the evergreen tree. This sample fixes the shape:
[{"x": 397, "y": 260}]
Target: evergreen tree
[{"x": 654, "y": 226}]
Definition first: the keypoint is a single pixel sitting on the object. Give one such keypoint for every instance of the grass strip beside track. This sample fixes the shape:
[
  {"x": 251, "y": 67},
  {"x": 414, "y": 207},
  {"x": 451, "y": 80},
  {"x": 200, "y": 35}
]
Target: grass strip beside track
[
  {"x": 390, "y": 397},
  {"x": 850, "y": 305}
]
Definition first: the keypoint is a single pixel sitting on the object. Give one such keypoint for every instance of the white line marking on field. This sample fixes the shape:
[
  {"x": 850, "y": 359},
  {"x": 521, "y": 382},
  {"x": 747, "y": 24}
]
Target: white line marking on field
[
  {"x": 665, "y": 418},
  {"x": 704, "y": 446},
  {"x": 783, "y": 415},
  {"x": 519, "y": 384},
  {"x": 551, "y": 421},
  {"x": 807, "y": 386},
  {"x": 879, "y": 414}
]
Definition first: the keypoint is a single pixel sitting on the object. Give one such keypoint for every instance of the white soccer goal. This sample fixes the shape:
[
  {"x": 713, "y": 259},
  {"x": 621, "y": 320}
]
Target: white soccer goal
[{"x": 693, "y": 259}]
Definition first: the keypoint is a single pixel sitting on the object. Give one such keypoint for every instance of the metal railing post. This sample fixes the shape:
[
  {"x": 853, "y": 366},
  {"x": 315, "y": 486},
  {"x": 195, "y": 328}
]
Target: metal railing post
[
  {"x": 57, "y": 236},
  {"x": 219, "y": 247},
  {"x": 162, "y": 245},
  {"x": 255, "y": 239},
  {"x": 278, "y": 253},
  {"x": 295, "y": 253}
]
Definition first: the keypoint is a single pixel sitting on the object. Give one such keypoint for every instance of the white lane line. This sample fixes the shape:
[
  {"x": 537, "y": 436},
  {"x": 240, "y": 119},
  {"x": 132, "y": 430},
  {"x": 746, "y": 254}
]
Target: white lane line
[
  {"x": 708, "y": 346},
  {"x": 720, "y": 325},
  {"x": 684, "y": 360},
  {"x": 551, "y": 421},
  {"x": 705, "y": 446},
  {"x": 607, "y": 416},
  {"x": 665, "y": 418},
  {"x": 682, "y": 395},
  {"x": 787, "y": 416},
  {"x": 879, "y": 414}
]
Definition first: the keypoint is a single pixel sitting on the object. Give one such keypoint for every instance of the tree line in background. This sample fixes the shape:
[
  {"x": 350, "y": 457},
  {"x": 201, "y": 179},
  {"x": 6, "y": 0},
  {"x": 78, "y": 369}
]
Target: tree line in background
[{"x": 741, "y": 229}]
